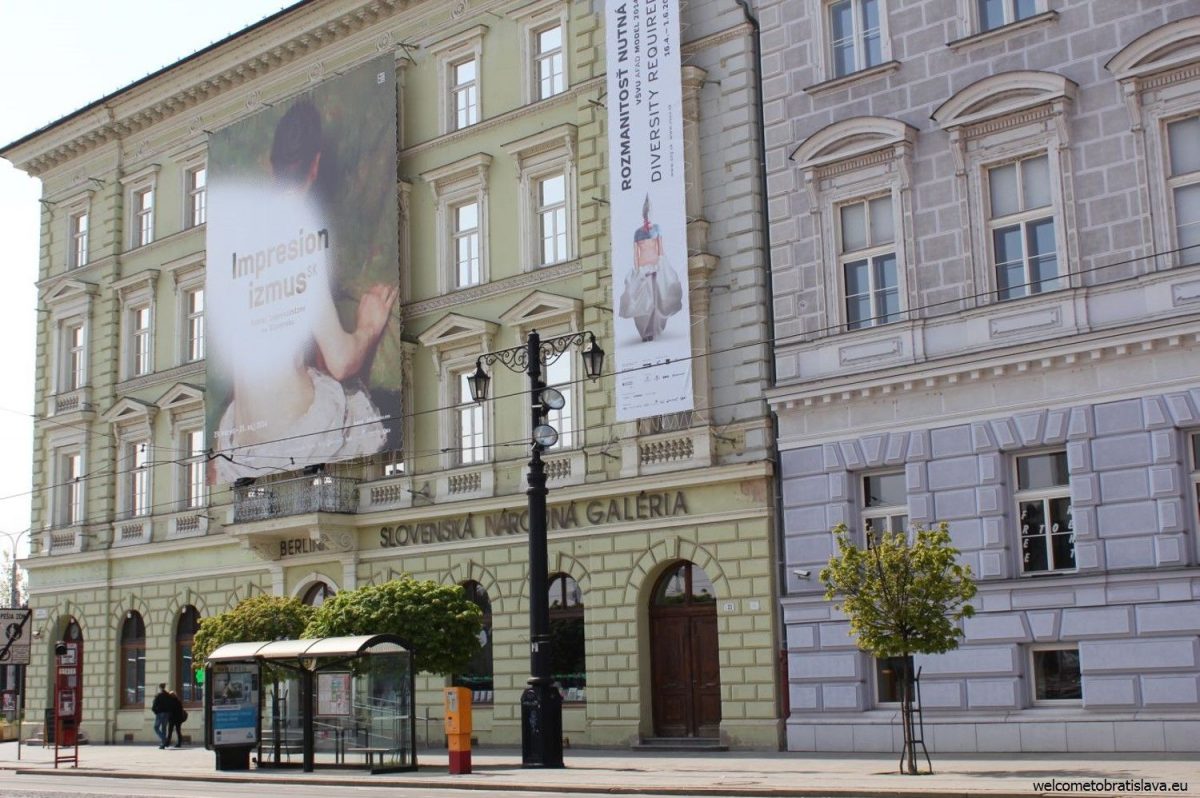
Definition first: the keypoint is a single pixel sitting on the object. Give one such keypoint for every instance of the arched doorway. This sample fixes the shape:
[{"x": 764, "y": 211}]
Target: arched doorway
[{"x": 684, "y": 665}]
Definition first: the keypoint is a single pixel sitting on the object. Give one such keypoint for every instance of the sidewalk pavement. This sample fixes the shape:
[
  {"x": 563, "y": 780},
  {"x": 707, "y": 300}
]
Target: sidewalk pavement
[{"x": 681, "y": 774}]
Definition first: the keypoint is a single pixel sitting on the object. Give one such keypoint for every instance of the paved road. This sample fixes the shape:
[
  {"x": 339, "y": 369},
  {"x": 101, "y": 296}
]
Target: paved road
[{"x": 46, "y": 786}]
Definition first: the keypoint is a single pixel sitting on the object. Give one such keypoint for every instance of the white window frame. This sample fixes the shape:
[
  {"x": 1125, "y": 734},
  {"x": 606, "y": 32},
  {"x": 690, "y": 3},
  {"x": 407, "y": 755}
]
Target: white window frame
[
  {"x": 533, "y": 19},
  {"x": 188, "y": 277},
  {"x": 974, "y": 11},
  {"x": 1022, "y": 219},
  {"x": 550, "y": 217},
  {"x": 859, "y": 37},
  {"x": 137, "y": 293},
  {"x": 478, "y": 450},
  {"x": 1033, "y": 675},
  {"x": 194, "y": 321},
  {"x": 1193, "y": 440},
  {"x": 1175, "y": 182},
  {"x": 855, "y": 161},
  {"x": 454, "y": 185},
  {"x": 885, "y": 513},
  {"x": 74, "y": 375},
  {"x": 78, "y": 232},
  {"x": 870, "y": 253},
  {"x": 1045, "y": 496},
  {"x": 195, "y": 210},
  {"x": 141, "y": 222},
  {"x": 71, "y": 488},
  {"x": 1026, "y": 114},
  {"x": 193, "y": 487},
  {"x": 141, "y": 339},
  {"x": 820, "y": 24},
  {"x": 135, "y": 471},
  {"x": 450, "y": 52},
  {"x": 539, "y": 157}
]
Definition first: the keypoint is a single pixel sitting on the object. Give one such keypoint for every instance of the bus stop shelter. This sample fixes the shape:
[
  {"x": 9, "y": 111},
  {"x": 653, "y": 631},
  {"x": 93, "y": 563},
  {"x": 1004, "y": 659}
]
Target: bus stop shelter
[{"x": 332, "y": 702}]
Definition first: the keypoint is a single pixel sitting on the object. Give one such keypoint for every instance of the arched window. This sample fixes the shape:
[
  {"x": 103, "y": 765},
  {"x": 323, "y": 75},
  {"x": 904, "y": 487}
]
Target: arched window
[
  {"x": 315, "y": 596},
  {"x": 568, "y": 665},
  {"x": 686, "y": 584},
  {"x": 133, "y": 661},
  {"x": 478, "y": 674},
  {"x": 185, "y": 674}
]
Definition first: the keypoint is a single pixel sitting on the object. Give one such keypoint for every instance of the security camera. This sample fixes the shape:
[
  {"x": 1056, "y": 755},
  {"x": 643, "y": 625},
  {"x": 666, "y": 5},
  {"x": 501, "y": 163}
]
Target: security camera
[{"x": 801, "y": 573}]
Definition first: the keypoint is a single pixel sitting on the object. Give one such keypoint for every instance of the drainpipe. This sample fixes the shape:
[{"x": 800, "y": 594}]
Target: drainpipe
[{"x": 782, "y": 703}]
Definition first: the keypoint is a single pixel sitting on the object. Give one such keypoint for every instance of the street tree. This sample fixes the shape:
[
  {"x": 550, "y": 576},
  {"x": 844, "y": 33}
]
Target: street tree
[
  {"x": 904, "y": 594},
  {"x": 439, "y": 623},
  {"x": 261, "y": 617},
  {"x": 7, "y": 596}
]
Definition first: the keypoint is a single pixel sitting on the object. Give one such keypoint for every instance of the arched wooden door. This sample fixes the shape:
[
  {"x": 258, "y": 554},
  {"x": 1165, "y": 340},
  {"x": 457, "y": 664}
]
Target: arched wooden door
[{"x": 685, "y": 667}]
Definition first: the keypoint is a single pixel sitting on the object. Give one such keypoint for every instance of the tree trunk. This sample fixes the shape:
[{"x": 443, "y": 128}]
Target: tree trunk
[{"x": 907, "y": 692}]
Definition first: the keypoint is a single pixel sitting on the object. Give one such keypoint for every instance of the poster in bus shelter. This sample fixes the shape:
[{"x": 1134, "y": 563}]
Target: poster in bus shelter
[
  {"x": 333, "y": 693},
  {"x": 652, "y": 319},
  {"x": 302, "y": 280},
  {"x": 234, "y": 688}
]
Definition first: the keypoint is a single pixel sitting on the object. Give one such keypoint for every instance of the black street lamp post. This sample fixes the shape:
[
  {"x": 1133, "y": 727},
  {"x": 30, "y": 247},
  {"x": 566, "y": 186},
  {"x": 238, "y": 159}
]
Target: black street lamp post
[{"x": 541, "y": 703}]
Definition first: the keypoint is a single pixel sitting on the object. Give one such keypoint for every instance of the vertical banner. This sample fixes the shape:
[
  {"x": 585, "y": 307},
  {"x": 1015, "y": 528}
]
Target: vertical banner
[
  {"x": 302, "y": 280},
  {"x": 652, "y": 320}
]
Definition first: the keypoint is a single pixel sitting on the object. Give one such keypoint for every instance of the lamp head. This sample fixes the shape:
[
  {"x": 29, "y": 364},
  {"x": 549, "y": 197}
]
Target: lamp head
[
  {"x": 478, "y": 383},
  {"x": 593, "y": 358}
]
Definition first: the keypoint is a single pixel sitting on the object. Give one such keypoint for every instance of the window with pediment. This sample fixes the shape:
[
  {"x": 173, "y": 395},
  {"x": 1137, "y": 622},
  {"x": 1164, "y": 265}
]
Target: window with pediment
[
  {"x": 547, "y": 203},
  {"x": 856, "y": 176},
  {"x": 1009, "y": 136},
  {"x": 465, "y": 426},
  {"x": 460, "y": 190},
  {"x": 460, "y": 70},
  {"x": 1158, "y": 76}
]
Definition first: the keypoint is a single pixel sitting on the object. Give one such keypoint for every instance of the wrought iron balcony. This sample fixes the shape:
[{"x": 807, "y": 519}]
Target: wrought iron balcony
[{"x": 318, "y": 493}]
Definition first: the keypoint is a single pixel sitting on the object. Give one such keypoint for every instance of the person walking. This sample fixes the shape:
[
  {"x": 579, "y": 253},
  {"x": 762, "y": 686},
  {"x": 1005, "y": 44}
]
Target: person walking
[
  {"x": 162, "y": 714},
  {"x": 178, "y": 716}
]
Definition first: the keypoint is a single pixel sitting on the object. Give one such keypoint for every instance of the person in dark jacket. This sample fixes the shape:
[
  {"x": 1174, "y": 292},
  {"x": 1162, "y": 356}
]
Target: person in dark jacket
[
  {"x": 162, "y": 714},
  {"x": 178, "y": 716}
]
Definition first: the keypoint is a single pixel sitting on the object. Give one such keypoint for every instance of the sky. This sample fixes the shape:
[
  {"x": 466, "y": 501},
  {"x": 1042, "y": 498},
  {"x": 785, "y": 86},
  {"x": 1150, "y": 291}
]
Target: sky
[{"x": 57, "y": 56}]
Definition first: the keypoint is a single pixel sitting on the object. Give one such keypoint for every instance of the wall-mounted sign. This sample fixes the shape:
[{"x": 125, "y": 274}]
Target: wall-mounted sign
[{"x": 571, "y": 515}]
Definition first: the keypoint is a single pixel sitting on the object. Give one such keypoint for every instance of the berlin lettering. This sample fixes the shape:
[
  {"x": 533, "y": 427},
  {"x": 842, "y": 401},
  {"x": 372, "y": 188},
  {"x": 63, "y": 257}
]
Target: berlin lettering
[
  {"x": 290, "y": 548},
  {"x": 642, "y": 507}
]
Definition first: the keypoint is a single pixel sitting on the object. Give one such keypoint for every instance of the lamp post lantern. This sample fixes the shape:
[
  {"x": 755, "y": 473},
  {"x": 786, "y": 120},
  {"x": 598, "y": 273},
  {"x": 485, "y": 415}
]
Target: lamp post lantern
[{"x": 541, "y": 703}]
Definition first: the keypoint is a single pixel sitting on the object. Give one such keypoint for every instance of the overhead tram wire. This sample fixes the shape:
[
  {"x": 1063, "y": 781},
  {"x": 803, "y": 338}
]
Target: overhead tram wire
[{"x": 520, "y": 393}]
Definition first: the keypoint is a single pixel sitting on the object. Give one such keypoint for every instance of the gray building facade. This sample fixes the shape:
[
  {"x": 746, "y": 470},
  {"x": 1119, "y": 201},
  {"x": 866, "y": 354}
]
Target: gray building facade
[{"x": 985, "y": 225}]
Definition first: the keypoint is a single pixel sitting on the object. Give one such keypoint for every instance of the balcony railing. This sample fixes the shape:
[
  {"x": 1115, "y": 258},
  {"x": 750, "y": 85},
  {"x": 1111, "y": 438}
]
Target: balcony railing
[{"x": 309, "y": 494}]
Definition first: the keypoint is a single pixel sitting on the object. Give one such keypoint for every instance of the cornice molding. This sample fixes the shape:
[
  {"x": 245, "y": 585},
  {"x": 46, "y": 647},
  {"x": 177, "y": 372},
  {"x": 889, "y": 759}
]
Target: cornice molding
[
  {"x": 530, "y": 279},
  {"x": 969, "y": 369}
]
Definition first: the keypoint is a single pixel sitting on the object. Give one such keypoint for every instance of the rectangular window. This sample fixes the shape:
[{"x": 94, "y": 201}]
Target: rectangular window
[
  {"x": 194, "y": 330},
  {"x": 76, "y": 357},
  {"x": 1022, "y": 228},
  {"x": 72, "y": 490},
  {"x": 193, "y": 469},
  {"x": 551, "y": 213},
  {"x": 1183, "y": 139},
  {"x": 140, "y": 339},
  {"x": 885, "y": 503},
  {"x": 139, "y": 479},
  {"x": 889, "y": 678},
  {"x": 1044, "y": 507},
  {"x": 79, "y": 240},
  {"x": 464, "y": 93},
  {"x": 1056, "y": 675},
  {"x": 143, "y": 217},
  {"x": 548, "y": 61},
  {"x": 854, "y": 35},
  {"x": 470, "y": 423},
  {"x": 867, "y": 248},
  {"x": 560, "y": 375},
  {"x": 997, "y": 13},
  {"x": 466, "y": 244},
  {"x": 197, "y": 196},
  {"x": 1195, "y": 439}
]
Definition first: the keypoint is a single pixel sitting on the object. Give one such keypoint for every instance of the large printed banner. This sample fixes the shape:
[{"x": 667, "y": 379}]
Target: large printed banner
[
  {"x": 302, "y": 280},
  {"x": 653, "y": 345}
]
